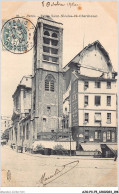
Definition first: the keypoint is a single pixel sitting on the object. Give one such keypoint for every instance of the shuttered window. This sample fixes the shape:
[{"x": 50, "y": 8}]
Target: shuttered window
[
  {"x": 46, "y": 85},
  {"x": 49, "y": 83}
]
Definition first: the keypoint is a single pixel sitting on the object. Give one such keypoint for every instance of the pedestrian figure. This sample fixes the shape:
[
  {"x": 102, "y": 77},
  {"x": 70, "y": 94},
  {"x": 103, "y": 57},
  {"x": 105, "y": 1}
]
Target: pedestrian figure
[
  {"x": 115, "y": 156},
  {"x": 8, "y": 175}
]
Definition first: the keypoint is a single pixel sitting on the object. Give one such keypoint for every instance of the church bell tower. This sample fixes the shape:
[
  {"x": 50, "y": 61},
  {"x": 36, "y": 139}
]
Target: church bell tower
[{"x": 47, "y": 79}]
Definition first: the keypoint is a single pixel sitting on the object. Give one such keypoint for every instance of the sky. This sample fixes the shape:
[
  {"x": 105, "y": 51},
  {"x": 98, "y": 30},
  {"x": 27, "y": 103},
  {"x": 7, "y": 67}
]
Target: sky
[{"x": 78, "y": 32}]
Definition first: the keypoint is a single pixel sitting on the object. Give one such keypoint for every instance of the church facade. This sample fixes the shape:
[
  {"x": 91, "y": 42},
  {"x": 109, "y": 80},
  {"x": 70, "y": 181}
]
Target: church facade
[
  {"x": 47, "y": 79},
  {"x": 43, "y": 119}
]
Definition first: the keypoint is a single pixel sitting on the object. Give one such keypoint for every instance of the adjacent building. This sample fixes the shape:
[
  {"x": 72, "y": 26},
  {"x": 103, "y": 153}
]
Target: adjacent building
[
  {"x": 5, "y": 123},
  {"x": 20, "y": 131},
  {"x": 92, "y": 95}
]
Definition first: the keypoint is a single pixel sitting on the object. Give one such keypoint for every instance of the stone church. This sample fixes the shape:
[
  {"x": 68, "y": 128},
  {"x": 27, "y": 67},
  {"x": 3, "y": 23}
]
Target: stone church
[
  {"x": 42, "y": 119},
  {"x": 81, "y": 97},
  {"x": 47, "y": 78}
]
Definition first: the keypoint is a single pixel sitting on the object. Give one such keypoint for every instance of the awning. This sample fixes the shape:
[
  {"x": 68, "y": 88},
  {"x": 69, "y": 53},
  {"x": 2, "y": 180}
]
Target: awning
[
  {"x": 113, "y": 146},
  {"x": 52, "y": 144},
  {"x": 91, "y": 147}
]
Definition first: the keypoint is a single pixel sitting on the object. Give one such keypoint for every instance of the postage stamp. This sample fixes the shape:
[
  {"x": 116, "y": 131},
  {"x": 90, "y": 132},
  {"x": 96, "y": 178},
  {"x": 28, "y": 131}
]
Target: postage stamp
[{"x": 17, "y": 35}]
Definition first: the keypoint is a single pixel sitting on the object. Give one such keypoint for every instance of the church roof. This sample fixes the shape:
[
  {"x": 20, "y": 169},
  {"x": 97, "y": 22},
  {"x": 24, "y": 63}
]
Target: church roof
[{"x": 96, "y": 43}]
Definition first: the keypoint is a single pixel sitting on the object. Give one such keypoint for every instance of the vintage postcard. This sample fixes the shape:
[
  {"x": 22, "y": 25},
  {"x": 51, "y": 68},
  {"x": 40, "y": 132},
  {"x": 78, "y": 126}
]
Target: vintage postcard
[{"x": 59, "y": 121}]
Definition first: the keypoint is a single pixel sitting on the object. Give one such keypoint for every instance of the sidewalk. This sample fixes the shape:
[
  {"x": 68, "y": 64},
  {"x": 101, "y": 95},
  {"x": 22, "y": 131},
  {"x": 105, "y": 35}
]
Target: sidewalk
[
  {"x": 27, "y": 169},
  {"x": 61, "y": 156}
]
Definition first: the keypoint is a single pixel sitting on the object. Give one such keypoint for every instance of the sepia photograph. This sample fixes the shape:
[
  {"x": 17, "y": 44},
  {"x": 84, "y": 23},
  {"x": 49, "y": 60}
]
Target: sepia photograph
[{"x": 59, "y": 99}]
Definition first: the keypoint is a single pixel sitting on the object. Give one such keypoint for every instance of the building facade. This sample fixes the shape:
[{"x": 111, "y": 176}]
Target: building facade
[
  {"x": 5, "y": 123},
  {"x": 93, "y": 108},
  {"x": 93, "y": 95}
]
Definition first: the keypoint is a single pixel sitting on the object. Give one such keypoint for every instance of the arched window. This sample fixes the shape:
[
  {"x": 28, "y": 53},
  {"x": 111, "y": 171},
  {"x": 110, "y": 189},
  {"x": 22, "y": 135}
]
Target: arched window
[
  {"x": 54, "y": 35},
  {"x": 46, "y": 33},
  {"x": 49, "y": 83}
]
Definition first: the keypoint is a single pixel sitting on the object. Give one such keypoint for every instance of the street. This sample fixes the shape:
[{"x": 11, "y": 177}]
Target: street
[{"x": 35, "y": 170}]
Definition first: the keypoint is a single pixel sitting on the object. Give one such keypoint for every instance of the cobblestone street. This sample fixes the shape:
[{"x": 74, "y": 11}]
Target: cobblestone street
[{"x": 27, "y": 170}]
